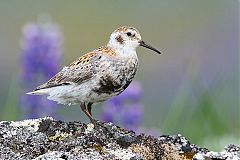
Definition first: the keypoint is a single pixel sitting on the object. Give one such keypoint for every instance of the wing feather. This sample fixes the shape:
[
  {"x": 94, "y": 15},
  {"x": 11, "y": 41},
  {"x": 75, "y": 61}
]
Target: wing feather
[{"x": 77, "y": 72}]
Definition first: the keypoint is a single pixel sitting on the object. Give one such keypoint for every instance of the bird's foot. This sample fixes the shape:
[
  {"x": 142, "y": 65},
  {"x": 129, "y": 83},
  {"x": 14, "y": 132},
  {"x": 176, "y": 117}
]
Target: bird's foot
[
  {"x": 99, "y": 125},
  {"x": 96, "y": 123}
]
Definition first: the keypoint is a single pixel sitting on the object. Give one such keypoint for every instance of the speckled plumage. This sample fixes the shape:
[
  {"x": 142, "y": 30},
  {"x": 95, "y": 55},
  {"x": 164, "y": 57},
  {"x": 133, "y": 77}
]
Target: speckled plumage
[{"x": 98, "y": 75}]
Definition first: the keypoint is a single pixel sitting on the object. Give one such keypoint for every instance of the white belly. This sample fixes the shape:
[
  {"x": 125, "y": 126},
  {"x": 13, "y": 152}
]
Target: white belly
[{"x": 74, "y": 94}]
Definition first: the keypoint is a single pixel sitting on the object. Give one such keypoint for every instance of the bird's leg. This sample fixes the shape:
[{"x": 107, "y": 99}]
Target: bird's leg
[
  {"x": 89, "y": 108},
  {"x": 85, "y": 109}
]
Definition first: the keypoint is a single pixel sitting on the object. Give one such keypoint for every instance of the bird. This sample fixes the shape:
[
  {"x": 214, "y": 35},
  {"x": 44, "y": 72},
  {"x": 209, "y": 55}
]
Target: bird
[{"x": 97, "y": 75}]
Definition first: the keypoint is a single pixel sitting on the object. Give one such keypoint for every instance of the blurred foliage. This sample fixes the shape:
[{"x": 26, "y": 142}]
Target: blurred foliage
[
  {"x": 41, "y": 55},
  {"x": 203, "y": 120}
]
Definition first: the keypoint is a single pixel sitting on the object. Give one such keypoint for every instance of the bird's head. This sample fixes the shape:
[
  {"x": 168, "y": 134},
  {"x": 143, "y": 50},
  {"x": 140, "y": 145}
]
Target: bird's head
[{"x": 129, "y": 38}]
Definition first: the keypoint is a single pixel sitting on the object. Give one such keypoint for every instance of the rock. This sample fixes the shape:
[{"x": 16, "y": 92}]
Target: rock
[
  {"x": 48, "y": 139},
  {"x": 230, "y": 152}
]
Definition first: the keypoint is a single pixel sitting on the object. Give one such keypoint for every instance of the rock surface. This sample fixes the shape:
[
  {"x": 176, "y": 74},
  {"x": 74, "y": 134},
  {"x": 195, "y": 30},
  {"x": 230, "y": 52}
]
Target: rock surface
[{"x": 46, "y": 139}]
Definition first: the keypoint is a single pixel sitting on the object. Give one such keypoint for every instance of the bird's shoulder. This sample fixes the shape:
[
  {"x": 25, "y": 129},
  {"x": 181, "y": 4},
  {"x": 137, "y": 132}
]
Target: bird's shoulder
[
  {"x": 94, "y": 56},
  {"x": 107, "y": 51},
  {"x": 84, "y": 59}
]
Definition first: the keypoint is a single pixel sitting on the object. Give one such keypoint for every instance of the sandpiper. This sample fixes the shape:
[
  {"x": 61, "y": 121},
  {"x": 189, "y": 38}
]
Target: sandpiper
[{"x": 98, "y": 75}]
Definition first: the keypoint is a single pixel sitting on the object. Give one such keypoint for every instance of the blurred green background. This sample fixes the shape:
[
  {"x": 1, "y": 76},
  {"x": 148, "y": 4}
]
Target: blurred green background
[{"x": 192, "y": 88}]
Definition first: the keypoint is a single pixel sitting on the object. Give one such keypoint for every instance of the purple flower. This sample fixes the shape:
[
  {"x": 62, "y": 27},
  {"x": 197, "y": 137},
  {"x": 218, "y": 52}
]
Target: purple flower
[
  {"x": 125, "y": 109},
  {"x": 40, "y": 60}
]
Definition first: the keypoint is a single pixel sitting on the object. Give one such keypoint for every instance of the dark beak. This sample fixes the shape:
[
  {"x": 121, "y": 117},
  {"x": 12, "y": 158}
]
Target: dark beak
[{"x": 142, "y": 43}]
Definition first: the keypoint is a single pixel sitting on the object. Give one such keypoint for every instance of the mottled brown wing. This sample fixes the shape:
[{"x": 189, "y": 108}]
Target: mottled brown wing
[{"x": 77, "y": 72}]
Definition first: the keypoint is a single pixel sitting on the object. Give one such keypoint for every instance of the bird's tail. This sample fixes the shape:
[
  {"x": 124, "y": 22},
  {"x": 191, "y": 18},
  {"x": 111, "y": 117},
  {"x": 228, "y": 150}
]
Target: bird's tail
[{"x": 39, "y": 92}]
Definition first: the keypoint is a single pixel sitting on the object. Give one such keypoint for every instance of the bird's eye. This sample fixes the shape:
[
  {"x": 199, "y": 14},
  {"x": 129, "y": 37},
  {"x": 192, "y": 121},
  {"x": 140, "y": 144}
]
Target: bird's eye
[{"x": 129, "y": 34}]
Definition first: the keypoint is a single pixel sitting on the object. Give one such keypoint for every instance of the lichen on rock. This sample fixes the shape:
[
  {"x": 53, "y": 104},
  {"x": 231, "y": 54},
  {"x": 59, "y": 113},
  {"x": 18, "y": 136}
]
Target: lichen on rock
[{"x": 46, "y": 138}]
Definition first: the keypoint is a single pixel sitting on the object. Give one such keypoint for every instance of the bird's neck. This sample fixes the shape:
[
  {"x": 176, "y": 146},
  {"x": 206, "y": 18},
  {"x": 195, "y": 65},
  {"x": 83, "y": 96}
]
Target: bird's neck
[{"x": 124, "y": 51}]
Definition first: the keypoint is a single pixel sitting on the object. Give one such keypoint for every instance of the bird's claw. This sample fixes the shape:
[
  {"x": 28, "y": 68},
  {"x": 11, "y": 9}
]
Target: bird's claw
[{"x": 98, "y": 125}]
